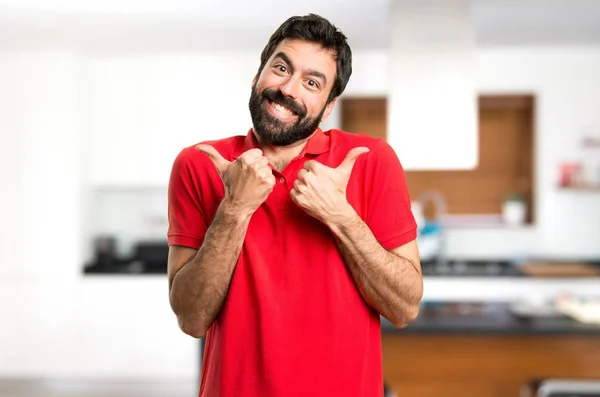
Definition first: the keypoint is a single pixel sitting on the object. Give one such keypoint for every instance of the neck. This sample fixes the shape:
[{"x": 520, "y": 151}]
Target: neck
[{"x": 279, "y": 156}]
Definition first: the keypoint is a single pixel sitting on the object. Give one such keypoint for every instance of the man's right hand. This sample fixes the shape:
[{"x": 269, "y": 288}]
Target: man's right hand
[{"x": 248, "y": 180}]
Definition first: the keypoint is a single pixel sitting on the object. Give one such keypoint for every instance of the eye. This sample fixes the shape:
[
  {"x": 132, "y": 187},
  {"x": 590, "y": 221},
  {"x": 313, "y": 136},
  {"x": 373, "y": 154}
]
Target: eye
[
  {"x": 281, "y": 68},
  {"x": 313, "y": 83}
]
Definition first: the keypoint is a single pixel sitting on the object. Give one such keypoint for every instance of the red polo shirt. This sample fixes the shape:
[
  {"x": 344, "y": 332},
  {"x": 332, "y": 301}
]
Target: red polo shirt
[{"x": 293, "y": 323}]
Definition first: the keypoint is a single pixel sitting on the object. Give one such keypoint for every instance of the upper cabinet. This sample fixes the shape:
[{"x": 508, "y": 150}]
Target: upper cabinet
[
  {"x": 432, "y": 107},
  {"x": 141, "y": 110}
]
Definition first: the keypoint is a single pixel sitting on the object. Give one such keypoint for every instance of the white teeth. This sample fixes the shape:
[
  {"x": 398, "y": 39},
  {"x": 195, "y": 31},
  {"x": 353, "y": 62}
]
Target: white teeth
[{"x": 281, "y": 109}]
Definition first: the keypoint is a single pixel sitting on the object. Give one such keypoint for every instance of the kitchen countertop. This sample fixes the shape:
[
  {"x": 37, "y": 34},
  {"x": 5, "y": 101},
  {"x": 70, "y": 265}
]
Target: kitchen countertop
[
  {"x": 486, "y": 318},
  {"x": 129, "y": 268},
  {"x": 451, "y": 269},
  {"x": 470, "y": 268},
  {"x": 506, "y": 268}
]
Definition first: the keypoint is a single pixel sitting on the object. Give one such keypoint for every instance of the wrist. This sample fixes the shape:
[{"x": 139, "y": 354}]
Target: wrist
[
  {"x": 233, "y": 210},
  {"x": 346, "y": 218}
]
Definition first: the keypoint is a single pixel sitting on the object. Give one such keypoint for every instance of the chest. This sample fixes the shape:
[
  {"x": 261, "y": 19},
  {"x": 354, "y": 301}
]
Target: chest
[{"x": 279, "y": 213}]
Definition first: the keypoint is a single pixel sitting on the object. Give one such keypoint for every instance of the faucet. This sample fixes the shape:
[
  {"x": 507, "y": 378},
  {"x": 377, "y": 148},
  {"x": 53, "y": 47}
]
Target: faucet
[{"x": 439, "y": 203}]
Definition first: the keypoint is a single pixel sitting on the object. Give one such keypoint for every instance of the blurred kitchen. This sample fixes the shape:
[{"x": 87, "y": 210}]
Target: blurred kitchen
[{"x": 491, "y": 105}]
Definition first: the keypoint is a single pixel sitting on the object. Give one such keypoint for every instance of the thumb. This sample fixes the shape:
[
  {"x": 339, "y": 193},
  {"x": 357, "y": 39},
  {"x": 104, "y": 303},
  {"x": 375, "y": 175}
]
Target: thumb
[
  {"x": 219, "y": 161},
  {"x": 351, "y": 157}
]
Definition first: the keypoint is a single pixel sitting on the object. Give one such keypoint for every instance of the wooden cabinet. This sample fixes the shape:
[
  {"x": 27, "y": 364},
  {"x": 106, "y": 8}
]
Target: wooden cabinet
[
  {"x": 506, "y": 156},
  {"x": 484, "y": 365}
]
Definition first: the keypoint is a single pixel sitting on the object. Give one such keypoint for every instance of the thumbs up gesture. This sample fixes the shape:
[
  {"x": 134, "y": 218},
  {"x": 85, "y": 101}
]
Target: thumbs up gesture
[
  {"x": 321, "y": 190},
  {"x": 248, "y": 180}
]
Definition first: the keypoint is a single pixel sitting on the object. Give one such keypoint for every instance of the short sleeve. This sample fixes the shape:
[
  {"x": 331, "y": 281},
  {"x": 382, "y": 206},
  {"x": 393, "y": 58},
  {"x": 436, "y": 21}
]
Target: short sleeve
[
  {"x": 187, "y": 218},
  {"x": 389, "y": 214}
]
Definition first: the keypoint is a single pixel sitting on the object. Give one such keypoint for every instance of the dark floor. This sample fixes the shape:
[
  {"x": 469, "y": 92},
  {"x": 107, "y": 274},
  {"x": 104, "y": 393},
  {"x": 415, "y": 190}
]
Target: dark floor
[{"x": 95, "y": 388}]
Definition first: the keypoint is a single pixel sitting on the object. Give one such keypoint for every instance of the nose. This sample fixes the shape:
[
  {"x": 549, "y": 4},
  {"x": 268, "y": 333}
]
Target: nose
[{"x": 290, "y": 87}]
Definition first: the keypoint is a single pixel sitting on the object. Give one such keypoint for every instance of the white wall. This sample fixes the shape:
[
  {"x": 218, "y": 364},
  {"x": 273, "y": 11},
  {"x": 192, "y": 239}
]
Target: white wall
[
  {"x": 143, "y": 109},
  {"x": 57, "y": 322}
]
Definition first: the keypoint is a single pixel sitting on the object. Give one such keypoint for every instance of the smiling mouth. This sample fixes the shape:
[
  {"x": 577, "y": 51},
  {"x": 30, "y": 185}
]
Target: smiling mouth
[{"x": 282, "y": 110}]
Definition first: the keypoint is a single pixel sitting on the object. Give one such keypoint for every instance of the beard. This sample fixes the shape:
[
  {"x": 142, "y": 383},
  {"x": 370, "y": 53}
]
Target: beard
[{"x": 275, "y": 131}]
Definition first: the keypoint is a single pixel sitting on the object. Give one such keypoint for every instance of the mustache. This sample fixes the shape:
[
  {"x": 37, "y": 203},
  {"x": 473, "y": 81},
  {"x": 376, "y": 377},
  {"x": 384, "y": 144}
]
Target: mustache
[{"x": 278, "y": 97}]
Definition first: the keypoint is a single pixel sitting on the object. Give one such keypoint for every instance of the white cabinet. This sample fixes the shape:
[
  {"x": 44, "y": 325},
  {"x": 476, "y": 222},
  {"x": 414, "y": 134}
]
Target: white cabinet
[
  {"x": 39, "y": 162},
  {"x": 142, "y": 110},
  {"x": 93, "y": 327},
  {"x": 432, "y": 103},
  {"x": 127, "y": 329}
]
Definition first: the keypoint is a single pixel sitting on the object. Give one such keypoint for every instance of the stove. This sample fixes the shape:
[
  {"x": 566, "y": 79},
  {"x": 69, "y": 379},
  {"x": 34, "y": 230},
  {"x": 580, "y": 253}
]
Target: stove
[{"x": 475, "y": 268}]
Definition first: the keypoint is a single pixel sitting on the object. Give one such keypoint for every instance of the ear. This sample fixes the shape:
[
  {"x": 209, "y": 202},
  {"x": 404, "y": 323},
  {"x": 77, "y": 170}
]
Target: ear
[
  {"x": 254, "y": 80},
  {"x": 328, "y": 109}
]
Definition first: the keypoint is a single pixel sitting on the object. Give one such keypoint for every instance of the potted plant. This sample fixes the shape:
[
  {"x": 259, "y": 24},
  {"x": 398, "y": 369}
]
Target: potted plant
[{"x": 514, "y": 209}]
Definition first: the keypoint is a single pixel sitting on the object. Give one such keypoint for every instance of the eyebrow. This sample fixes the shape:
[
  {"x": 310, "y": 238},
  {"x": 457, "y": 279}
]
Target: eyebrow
[{"x": 312, "y": 72}]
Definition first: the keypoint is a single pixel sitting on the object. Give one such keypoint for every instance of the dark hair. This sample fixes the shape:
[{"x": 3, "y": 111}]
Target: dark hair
[{"x": 316, "y": 29}]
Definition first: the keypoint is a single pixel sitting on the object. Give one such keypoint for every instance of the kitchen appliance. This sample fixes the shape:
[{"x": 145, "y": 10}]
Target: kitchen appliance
[
  {"x": 151, "y": 256},
  {"x": 105, "y": 251},
  {"x": 569, "y": 388}
]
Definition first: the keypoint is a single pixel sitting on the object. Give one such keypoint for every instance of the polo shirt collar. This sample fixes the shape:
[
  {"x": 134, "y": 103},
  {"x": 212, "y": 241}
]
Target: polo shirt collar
[{"x": 318, "y": 143}]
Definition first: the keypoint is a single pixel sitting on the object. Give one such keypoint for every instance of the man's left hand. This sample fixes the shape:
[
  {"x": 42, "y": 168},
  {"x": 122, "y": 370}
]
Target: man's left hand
[{"x": 321, "y": 190}]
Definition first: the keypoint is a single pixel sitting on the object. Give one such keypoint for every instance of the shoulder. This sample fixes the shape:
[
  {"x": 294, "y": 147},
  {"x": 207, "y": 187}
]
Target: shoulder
[
  {"x": 226, "y": 146},
  {"x": 379, "y": 149}
]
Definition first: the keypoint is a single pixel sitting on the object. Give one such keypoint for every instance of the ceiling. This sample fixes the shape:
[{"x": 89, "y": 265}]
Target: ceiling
[{"x": 243, "y": 24}]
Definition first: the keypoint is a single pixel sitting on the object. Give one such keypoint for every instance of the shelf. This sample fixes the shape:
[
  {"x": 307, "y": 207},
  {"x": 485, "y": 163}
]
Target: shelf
[
  {"x": 584, "y": 188},
  {"x": 591, "y": 142}
]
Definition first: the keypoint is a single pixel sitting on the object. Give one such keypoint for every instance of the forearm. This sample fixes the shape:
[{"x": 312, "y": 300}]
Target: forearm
[
  {"x": 200, "y": 287},
  {"x": 390, "y": 284}
]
